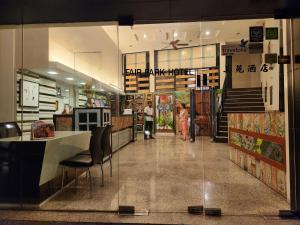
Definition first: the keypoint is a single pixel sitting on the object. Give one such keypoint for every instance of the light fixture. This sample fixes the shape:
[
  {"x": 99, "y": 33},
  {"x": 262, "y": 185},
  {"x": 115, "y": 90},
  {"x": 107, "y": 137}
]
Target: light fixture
[
  {"x": 93, "y": 87},
  {"x": 183, "y": 53},
  {"x": 82, "y": 83},
  {"x": 102, "y": 89},
  {"x": 52, "y": 72},
  {"x": 145, "y": 36},
  {"x": 67, "y": 90},
  {"x": 69, "y": 78},
  {"x": 175, "y": 34},
  {"x": 207, "y": 32}
]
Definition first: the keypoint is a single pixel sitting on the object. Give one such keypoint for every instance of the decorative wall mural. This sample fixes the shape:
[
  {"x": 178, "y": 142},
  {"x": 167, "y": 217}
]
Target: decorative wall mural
[
  {"x": 270, "y": 123},
  {"x": 258, "y": 141},
  {"x": 268, "y": 149},
  {"x": 29, "y": 94},
  {"x": 164, "y": 112}
]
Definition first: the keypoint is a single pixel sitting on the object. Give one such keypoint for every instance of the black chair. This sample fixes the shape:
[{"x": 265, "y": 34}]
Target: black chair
[
  {"x": 107, "y": 144},
  {"x": 9, "y": 129},
  {"x": 86, "y": 161}
]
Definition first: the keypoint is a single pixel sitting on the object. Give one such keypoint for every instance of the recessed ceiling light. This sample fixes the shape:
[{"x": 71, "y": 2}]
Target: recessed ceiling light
[
  {"x": 175, "y": 34},
  {"x": 207, "y": 33},
  {"x": 82, "y": 83},
  {"x": 52, "y": 72},
  {"x": 145, "y": 36},
  {"x": 69, "y": 78}
]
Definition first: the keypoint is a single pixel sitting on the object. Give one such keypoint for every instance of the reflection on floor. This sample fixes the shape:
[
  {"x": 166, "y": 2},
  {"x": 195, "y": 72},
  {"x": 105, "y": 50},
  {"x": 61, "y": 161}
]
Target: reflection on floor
[{"x": 168, "y": 175}]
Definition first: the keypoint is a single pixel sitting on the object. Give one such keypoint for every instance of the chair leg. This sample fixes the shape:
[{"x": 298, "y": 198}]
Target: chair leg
[
  {"x": 76, "y": 181},
  {"x": 110, "y": 166},
  {"x": 90, "y": 177},
  {"x": 62, "y": 178},
  {"x": 101, "y": 166}
]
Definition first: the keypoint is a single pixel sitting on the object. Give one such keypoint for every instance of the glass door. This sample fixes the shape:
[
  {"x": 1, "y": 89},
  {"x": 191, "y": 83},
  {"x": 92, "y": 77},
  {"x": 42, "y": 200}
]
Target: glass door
[
  {"x": 70, "y": 121},
  {"x": 164, "y": 174},
  {"x": 244, "y": 163}
]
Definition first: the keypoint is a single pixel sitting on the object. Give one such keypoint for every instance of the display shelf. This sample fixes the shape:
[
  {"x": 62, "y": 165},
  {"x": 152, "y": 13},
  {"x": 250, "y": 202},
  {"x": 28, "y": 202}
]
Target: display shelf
[
  {"x": 131, "y": 84},
  {"x": 208, "y": 78},
  {"x": 185, "y": 82},
  {"x": 164, "y": 83}
]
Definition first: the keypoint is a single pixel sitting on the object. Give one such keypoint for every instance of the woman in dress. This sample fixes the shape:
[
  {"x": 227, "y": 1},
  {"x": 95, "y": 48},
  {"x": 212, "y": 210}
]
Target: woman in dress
[{"x": 183, "y": 121}]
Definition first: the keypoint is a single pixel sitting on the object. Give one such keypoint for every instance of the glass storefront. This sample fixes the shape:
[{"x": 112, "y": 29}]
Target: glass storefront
[{"x": 212, "y": 94}]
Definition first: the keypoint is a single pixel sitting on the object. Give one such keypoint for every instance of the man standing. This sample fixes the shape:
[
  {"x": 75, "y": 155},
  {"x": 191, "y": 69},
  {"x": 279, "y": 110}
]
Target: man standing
[{"x": 149, "y": 119}]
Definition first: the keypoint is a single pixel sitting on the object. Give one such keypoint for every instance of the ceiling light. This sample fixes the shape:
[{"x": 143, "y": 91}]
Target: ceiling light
[
  {"x": 67, "y": 90},
  {"x": 82, "y": 83},
  {"x": 145, "y": 35},
  {"x": 69, "y": 78},
  {"x": 175, "y": 34},
  {"x": 52, "y": 72},
  {"x": 207, "y": 33},
  {"x": 93, "y": 87},
  {"x": 102, "y": 89}
]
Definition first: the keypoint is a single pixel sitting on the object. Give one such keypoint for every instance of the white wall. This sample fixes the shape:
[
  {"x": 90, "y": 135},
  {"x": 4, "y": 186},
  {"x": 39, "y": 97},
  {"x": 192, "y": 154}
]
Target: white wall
[
  {"x": 286, "y": 50},
  {"x": 271, "y": 78},
  {"x": 222, "y": 67},
  {"x": 246, "y": 79},
  {"x": 102, "y": 60},
  {"x": 7, "y": 75}
]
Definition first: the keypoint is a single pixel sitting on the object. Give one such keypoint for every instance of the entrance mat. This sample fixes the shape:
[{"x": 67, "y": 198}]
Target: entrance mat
[{"x": 27, "y": 222}]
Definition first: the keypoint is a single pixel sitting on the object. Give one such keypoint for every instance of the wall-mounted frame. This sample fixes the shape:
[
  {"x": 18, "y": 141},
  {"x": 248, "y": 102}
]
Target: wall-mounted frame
[{"x": 29, "y": 94}]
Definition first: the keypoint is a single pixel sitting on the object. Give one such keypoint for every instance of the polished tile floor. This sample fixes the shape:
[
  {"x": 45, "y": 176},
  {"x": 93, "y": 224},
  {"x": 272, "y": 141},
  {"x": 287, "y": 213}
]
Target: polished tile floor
[{"x": 168, "y": 175}]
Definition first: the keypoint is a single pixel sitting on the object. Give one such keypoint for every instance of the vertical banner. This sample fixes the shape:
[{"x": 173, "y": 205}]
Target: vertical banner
[
  {"x": 164, "y": 113},
  {"x": 192, "y": 115}
]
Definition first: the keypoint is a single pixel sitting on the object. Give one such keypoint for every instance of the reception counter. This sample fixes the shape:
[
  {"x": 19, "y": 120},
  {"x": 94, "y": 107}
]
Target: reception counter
[{"x": 29, "y": 169}]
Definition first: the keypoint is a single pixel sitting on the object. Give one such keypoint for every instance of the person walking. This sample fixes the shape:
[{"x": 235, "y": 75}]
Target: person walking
[
  {"x": 183, "y": 121},
  {"x": 149, "y": 119}
]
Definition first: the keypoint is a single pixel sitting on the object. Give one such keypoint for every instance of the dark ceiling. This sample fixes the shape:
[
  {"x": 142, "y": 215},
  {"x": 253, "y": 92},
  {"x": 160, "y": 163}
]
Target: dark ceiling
[{"x": 143, "y": 11}]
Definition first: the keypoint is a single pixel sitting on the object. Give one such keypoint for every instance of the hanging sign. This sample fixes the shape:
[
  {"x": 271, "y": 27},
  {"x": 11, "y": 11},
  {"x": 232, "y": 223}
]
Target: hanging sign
[
  {"x": 272, "y": 33},
  {"x": 256, "y": 48},
  {"x": 284, "y": 59},
  {"x": 233, "y": 49},
  {"x": 271, "y": 58},
  {"x": 297, "y": 59},
  {"x": 256, "y": 34}
]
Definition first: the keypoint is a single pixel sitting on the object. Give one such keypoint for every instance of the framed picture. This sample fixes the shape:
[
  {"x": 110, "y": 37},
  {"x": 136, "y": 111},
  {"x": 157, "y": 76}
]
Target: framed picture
[
  {"x": 256, "y": 34},
  {"x": 272, "y": 33},
  {"x": 29, "y": 94}
]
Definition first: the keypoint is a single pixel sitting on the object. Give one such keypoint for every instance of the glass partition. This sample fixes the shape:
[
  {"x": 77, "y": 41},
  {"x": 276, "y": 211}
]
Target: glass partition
[
  {"x": 62, "y": 85},
  {"x": 197, "y": 113},
  {"x": 164, "y": 174},
  {"x": 11, "y": 62},
  {"x": 244, "y": 161}
]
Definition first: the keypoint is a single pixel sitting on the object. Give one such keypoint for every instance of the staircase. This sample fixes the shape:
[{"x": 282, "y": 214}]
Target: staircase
[
  {"x": 238, "y": 100},
  {"x": 243, "y": 100}
]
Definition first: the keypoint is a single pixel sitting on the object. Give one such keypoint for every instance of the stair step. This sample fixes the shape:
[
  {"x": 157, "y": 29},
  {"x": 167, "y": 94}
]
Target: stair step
[
  {"x": 222, "y": 134},
  {"x": 231, "y": 96},
  {"x": 243, "y": 100},
  {"x": 220, "y": 139},
  {"x": 223, "y": 123},
  {"x": 244, "y": 89},
  {"x": 223, "y": 128},
  {"x": 245, "y": 110},
  {"x": 241, "y": 104}
]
